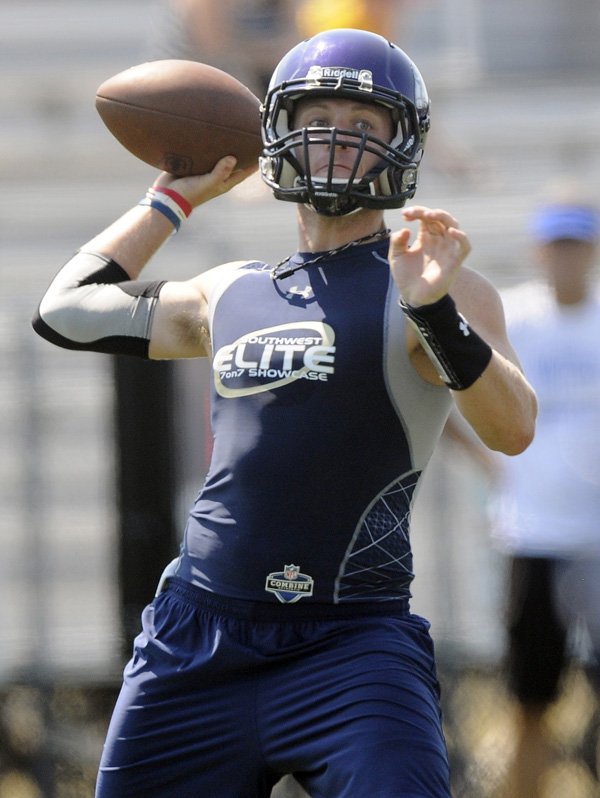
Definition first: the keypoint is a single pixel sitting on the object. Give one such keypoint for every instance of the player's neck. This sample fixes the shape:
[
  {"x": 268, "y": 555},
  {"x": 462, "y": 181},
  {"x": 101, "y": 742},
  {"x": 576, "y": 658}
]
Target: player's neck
[{"x": 319, "y": 233}]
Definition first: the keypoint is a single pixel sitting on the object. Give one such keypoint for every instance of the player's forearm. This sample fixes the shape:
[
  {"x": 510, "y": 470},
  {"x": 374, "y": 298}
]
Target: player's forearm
[
  {"x": 95, "y": 302},
  {"x": 500, "y": 406},
  {"x": 489, "y": 388},
  {"x": 133, "y": 239}
]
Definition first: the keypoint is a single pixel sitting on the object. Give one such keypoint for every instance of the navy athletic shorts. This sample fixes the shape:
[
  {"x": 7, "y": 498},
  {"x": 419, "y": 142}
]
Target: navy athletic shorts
[{"x": 222, "y": 698}]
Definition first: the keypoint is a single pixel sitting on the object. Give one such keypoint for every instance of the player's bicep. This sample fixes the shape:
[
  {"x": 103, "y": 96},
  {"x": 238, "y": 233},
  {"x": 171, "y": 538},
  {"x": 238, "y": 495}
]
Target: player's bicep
[
  {"x": 92, "y": 305},
  {"x": 179, "y": 325}
]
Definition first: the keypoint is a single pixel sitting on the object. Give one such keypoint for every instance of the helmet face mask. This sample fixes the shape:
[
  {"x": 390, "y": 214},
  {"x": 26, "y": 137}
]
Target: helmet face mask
[{"x": 353, "y": 65}]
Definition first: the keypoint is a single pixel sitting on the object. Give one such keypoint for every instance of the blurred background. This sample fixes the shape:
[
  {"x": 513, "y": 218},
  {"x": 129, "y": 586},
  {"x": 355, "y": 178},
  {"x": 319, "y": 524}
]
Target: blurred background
[{"x": 101, "y": 456}]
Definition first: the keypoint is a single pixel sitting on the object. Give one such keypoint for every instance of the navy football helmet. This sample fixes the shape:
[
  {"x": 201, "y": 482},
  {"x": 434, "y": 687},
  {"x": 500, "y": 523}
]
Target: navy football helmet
[{"x": 358, "y": 65}]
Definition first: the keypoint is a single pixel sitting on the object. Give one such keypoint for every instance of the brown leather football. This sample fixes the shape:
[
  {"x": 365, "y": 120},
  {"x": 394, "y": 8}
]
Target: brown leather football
[{"x": 181, "y": 116}]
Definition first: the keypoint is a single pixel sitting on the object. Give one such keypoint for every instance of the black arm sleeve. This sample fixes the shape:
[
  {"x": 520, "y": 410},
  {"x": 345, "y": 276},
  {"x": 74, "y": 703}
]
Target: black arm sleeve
[{"x": 92, "y": 305}]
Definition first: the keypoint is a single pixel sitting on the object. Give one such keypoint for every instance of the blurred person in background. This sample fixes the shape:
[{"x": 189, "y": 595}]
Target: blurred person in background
[
  {"x": 245, "y": 39},
  {"x": 379, "y": 16},
  {"x": 248, "y": 37},
  {"x": 547, "y": 514}
]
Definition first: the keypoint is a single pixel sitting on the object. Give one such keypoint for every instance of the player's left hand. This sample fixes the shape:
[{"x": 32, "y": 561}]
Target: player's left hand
[{"x": 426, "y": 269}]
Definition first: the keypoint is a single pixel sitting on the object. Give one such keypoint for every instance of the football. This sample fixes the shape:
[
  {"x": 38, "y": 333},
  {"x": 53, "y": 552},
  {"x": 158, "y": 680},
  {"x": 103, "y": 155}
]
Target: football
[{"x": 181, "y": 116}]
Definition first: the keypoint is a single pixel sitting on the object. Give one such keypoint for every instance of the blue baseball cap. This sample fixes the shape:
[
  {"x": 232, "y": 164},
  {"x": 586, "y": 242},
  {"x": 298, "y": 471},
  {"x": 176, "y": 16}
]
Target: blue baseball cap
[{"x": 575, "y": 222}]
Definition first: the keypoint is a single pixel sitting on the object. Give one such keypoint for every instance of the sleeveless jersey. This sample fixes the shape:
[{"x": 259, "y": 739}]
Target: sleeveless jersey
[{"x": 322, "y": 429}]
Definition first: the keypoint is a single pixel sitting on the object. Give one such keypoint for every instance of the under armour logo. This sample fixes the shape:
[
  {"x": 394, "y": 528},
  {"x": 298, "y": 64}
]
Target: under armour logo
[
  {"x": 463, "y": 326},
  {"x": 305, "y": 293}
]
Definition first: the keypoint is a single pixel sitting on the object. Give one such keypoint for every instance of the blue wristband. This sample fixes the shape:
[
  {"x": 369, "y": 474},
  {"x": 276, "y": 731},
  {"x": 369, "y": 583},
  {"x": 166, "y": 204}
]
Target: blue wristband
[{"x": 164, "y": 209}]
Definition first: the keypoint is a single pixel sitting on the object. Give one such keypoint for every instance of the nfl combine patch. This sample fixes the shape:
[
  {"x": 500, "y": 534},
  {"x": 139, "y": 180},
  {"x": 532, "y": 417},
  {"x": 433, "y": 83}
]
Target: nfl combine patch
[{"x": 289, "y": 585}]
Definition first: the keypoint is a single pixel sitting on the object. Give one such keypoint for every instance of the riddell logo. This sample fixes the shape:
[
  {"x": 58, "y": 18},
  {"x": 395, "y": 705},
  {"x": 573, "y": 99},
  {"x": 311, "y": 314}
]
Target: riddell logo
[
  {"x": 266, "y": 359},
  {"x": 318, "y": 74}
]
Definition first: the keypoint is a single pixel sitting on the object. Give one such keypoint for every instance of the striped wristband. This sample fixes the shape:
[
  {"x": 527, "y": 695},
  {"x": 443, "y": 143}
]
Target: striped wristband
[
  {"x": 168, "y": 202},
  {"x": 183, "y": 204},
  {"x": 164, "y": 209}
]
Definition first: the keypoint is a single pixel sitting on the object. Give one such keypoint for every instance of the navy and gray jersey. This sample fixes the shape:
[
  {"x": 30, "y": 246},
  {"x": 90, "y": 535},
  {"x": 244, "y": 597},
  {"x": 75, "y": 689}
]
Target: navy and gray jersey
[{"x": 322, "y": 429}]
